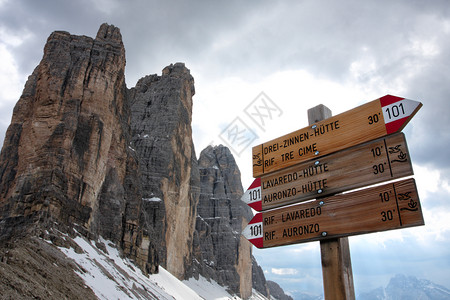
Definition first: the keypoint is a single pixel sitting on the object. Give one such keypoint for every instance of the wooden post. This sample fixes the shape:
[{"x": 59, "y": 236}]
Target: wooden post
[{"x": 335, "y": 253}]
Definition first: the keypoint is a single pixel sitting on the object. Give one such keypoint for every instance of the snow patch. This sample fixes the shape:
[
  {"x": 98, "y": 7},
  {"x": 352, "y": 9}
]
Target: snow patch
[
  {"x": 208, "y": 289},
  {"x": 153, "y": 199},
  {"x": 112, "y": 277}
]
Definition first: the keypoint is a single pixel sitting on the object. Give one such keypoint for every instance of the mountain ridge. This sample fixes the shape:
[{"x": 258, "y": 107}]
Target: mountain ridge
[
  {"x": 408, "y": 287},
  {"x": 86, "y": 156}
]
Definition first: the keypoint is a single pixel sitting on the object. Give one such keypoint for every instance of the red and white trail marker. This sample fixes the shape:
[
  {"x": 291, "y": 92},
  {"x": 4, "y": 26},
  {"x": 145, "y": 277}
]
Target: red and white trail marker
[
  {"x": 254, "y": 231},
  {"x": 253, "y": 196},
  {"x": 397, "y": 112}
]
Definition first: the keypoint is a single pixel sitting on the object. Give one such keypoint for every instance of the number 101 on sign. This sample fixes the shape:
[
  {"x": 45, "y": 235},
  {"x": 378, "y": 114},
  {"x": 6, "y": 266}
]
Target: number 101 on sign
[{"x": 254, "y": 231}]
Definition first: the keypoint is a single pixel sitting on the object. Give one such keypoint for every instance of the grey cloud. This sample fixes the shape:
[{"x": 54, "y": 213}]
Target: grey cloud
[
  {"x": 241, "y": 38},
  {"x": 233, "y": 38},
  {"x": 35, "y": 20},
  {"x": 323, "y": 38},
  {"x": 430, "y": 135}
]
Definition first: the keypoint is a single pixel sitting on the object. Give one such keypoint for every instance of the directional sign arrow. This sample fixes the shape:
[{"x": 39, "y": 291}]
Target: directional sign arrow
[
  {"x": 386, "y": 207},
  {"x": 380, "y": 117},
  {"x": 254, "y": 231},
  {"x": 373, "y": 162}
]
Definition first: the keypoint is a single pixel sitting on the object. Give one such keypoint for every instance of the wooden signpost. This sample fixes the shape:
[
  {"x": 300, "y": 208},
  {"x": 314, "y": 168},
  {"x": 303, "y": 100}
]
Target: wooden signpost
[
  {"x": 386, "y": 207},
  {"x": 372, "y": 120},
  {"x": 369, "y": 163},
  {"x": 335, "y": 154}
]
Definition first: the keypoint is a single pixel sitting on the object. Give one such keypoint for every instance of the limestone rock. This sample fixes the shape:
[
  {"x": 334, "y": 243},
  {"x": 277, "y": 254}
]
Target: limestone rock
[
  {"x": 85, "y": 153},
  {"x": 32, "y": 268},
  {"x": 66, "y": 156},
  {"x": 161, "y": 109},
  {"x": 221, "y": 253},
  {"x": 259, "y": 279},
  {"x": 276, "y": 291}
]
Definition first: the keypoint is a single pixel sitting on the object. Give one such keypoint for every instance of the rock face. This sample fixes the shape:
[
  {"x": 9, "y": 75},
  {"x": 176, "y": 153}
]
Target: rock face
[
  {"x": 34, "y": 269},
  {"x": 66, "y": 158},
  {"x": 161, "y": 108},
  {"x": 276, "y": 291},
  {"x": 408, "y": 287},
  {"x": 221, "y": 253},
  {"x": 258, "y": 279},
  {"x": 84, "y": 154}
]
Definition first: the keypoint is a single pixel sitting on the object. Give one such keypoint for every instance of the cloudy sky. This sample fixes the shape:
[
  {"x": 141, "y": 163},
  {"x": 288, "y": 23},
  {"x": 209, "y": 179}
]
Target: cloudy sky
[{"x": 293, "y": 55}]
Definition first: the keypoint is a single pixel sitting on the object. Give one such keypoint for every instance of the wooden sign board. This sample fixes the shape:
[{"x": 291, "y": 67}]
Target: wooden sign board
[
  {"x": 386, "y": 115},
  {"x": 373, "y": 162},
  {"x": 386, "y": 207}
]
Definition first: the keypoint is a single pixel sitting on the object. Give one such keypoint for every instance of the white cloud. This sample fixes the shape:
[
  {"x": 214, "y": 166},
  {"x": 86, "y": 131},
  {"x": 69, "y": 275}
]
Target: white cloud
[
  {"x": 10, "y": 88},
  {"x": 11, "y": 81},
  {"x": 437, "y": 226},
  {"x": 284, "y": 271},
  {"x": 306, "y": 247},
  {"x": 429, "y": 180},
  {"x": 13, "y": 40},
  {"x": 218, "y": 102},
  {"x": 9, "y": 77}
]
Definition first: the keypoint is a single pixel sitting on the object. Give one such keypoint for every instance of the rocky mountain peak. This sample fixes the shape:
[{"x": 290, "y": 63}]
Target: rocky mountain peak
[
  {"x": 161, "y": 115},
  {"x": 85, "y": 155},
  {"x": 221, "y": 253},
  {"x": 221, "y": 159},
  {"x": 408, "y": 287},
  {"x": 109, "y": 33},
  {"x": 65, "y": 159}
]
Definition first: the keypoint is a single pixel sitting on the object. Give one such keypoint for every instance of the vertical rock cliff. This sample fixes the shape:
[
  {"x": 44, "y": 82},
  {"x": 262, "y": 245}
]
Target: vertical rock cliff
[
  {"x": 259, "y": 279},
  {"x": 66, "y": 156},
  {"x": 85, "y": 154},
  {"x": 221, "y": 253},
  {"x": 161, "y": 108}
]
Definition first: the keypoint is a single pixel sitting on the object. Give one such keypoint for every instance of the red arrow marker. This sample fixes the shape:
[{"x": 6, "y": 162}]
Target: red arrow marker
[
  {"x": 397, "y": 112},
  {"x": 253, "y": 195},
  {"x": 254, "y": 231}
]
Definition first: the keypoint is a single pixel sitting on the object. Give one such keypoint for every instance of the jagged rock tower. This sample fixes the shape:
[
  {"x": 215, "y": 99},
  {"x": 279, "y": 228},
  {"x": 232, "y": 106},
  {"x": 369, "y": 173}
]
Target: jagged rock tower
[
  {"x": 85, "y": 154},
  {"x": 161, "y": 109},
  {"x": 66, "y": 158},
  {"x": 221, "y": 253}
]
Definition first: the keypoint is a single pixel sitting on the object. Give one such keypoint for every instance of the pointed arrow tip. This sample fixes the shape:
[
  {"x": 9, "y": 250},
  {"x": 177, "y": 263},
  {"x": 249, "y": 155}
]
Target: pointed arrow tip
[
  {"x": 253, "y": 232},
  {"x": 256, "y": 183},
  {"x": 256, "y": 205},
  {"x": 258, "y": 243},
  {"x": 252, "y": 196},
  {"x": 256, "y": 219},
  {"x": 397, "y": 112}
]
